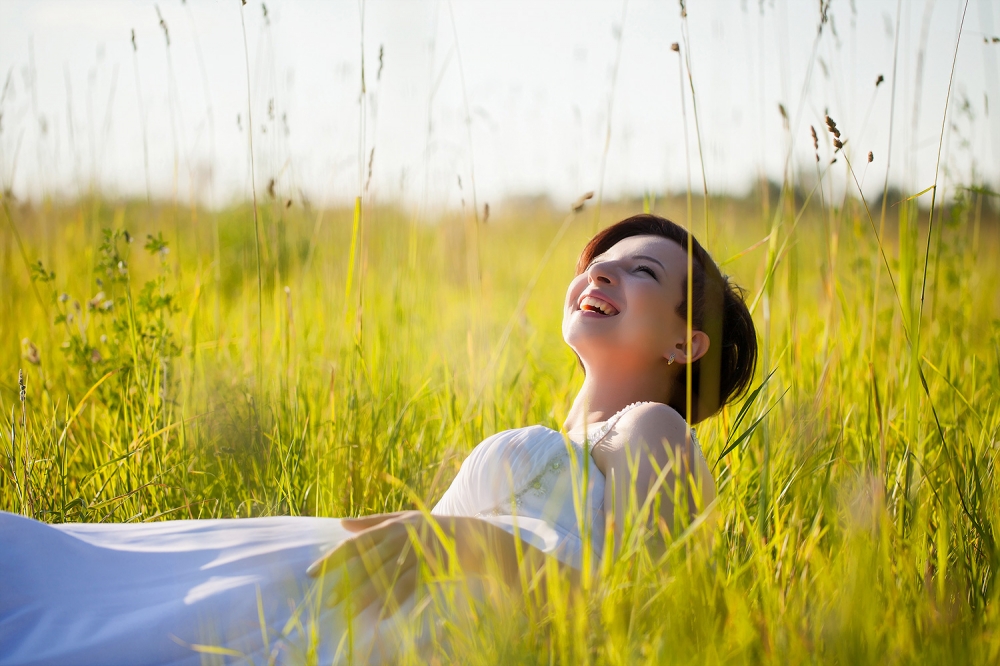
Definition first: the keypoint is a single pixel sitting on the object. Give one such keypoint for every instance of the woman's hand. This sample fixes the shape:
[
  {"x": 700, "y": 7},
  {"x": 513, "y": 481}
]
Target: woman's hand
[{"x": 380, "y": 562}]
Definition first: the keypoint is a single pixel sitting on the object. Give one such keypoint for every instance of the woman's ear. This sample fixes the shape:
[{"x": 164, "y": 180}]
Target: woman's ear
[{"x": 700, "y": 343}]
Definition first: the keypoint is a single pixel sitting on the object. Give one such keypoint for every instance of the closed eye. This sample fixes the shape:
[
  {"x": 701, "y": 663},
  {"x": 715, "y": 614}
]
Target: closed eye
[{"x": 647, "y": 269}]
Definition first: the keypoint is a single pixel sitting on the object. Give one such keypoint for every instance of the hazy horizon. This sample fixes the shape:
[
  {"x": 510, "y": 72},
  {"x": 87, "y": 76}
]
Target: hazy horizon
[{"x": 483, "y": 101}]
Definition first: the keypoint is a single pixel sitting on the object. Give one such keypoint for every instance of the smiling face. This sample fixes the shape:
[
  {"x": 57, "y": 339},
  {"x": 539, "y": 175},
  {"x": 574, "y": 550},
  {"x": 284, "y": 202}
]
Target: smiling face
[{"x": 621, "y": 311}]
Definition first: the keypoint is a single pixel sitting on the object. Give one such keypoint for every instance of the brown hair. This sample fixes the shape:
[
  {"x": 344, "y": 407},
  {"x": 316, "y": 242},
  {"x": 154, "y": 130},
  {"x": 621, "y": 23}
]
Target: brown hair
[{"x": 717, "y": 308}]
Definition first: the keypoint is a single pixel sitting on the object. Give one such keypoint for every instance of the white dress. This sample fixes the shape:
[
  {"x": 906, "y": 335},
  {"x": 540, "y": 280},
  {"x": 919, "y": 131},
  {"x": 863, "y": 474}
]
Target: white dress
[{"x": 236, "y": 590}]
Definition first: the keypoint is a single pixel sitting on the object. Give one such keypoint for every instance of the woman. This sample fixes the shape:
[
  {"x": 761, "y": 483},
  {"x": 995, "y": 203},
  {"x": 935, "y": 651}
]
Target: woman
[{"x": 291, "y": 589}]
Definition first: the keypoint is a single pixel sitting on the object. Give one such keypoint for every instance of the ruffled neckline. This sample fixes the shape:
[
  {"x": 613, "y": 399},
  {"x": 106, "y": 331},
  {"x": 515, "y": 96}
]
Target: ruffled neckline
[{"x": 597, "y": 431}]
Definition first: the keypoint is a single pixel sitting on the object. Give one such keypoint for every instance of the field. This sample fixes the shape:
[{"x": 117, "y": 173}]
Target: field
[
  {"x": 161, "y": 359},
  {"x": 858, "y": 496}
]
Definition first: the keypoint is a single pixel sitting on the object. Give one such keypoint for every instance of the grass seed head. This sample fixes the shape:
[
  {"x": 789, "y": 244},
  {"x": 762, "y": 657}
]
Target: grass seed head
[
  {"x": 871, "y": 157},
  {"x": 579, "y": 203},
  {"x": 812, "y": 131},
  {"x": 21, "y": 385},
  {"x": 675, "y": 47},
  {"x": 96, "y": 301},
  {"x": 831, "y": 125},
  {"x": 30, "y": 352},
  {"x": 879, "y": 80},
  {"x": 371, "y": 161},
  {"x": 163, "y": 24}
]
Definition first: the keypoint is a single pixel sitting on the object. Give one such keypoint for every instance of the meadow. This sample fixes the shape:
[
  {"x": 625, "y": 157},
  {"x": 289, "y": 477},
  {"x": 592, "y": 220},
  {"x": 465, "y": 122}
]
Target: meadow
[
  {"x": 179, "y": 362},
  {"x": 164, "y": 360}
]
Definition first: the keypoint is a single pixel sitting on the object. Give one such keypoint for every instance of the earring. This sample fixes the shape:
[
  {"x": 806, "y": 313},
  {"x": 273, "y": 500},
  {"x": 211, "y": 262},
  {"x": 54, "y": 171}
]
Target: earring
[{"x": 670, "y": 360}]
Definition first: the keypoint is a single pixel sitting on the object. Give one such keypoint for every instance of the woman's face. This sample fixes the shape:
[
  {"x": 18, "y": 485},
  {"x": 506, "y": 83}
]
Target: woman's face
[{"x": 623, "y": 308}]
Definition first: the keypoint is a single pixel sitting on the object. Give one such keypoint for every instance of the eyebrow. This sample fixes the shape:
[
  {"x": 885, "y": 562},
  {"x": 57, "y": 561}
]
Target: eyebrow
[
  {"x": 649, "y": 258},
  {"x": 638, "y": 256}
]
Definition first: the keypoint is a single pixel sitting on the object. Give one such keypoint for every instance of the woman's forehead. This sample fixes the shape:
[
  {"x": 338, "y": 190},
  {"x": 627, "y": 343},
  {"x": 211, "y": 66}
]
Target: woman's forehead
[{"x": 659, "y": 247}]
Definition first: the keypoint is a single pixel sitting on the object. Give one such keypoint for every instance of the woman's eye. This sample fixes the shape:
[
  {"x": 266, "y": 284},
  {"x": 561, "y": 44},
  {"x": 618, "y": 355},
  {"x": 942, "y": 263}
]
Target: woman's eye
[{"x": 646, "y": 269}]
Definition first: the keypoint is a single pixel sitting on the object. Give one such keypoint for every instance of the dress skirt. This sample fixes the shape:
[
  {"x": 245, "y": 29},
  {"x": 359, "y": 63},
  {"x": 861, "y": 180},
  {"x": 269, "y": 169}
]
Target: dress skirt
[{"x": 179, "y": 592}]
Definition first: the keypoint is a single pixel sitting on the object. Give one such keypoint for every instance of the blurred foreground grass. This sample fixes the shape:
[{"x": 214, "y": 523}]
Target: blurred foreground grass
[{"x": 859, "y": 514}]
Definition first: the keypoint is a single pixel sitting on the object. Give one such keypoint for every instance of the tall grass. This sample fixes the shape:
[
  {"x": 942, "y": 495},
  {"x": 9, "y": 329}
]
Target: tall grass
[
  {"x": 857, "y": 501},
  {"x": 878, "y": 536}
]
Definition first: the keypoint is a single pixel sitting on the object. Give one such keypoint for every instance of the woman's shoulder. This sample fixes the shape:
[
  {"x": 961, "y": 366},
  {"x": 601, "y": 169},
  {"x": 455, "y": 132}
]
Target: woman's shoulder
[
  {"x": 652, "y": 419},
  {"x": 653, "y": 428},
  {"x": 651, "y": 423},
  {"x": 656, "y": 422}
]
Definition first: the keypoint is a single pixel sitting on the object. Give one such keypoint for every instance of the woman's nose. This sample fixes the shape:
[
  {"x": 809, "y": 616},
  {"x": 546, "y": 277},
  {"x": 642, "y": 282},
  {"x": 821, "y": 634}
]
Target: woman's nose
[{"x": 602, "y": 272}]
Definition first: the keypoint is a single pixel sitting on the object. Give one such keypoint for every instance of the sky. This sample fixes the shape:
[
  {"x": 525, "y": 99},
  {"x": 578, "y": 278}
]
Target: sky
[{"x": 474, "y": 101}]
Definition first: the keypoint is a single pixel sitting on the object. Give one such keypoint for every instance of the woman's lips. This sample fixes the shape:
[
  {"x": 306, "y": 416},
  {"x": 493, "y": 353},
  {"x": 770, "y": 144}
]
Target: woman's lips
[{"x": 597, "y": 305}]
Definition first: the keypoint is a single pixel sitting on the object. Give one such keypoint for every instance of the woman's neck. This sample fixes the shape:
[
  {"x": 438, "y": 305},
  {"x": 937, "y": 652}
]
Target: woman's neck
[{"x": 604, "y": 394}]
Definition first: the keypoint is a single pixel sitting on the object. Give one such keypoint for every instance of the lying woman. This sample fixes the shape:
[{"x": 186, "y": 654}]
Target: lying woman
[{"x": 326, "y": 590}]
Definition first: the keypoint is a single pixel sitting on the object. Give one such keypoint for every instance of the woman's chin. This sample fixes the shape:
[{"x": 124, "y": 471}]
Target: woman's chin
[{"x": 590, "y": 342}]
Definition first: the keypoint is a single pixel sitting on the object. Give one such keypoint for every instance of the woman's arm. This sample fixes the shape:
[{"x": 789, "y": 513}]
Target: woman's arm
[
  {"x": 649, "y": 457},
  {"x": 380, "y": 563}
]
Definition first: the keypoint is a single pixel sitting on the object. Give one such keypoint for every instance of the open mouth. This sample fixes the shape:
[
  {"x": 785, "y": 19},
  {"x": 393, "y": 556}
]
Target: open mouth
[{"x": 597, "y": 305}]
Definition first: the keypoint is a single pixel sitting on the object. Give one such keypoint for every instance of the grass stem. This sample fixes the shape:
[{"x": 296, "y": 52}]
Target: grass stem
[{"x": 256, "y": 222}]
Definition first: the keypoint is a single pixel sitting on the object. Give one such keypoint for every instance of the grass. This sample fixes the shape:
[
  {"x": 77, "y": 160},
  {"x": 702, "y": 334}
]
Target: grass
[
  {"x": 190, "y": 363},
  {"x": 866, "y": 533}
]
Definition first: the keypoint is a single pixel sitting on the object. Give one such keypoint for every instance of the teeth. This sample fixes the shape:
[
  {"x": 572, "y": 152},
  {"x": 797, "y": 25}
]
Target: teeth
[{"x": 597, "y": 305}]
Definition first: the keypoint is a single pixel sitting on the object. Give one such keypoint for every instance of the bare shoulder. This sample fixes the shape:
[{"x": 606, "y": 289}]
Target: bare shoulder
[
  {"x": 652, "y": 423},
  {"x": 652, "y": 429}
]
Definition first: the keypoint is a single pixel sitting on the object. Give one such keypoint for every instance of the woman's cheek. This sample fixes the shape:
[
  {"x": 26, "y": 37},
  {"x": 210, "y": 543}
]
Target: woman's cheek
[
  {"x": 575, "y": 289},
  {"x": 648, "y": 330}
]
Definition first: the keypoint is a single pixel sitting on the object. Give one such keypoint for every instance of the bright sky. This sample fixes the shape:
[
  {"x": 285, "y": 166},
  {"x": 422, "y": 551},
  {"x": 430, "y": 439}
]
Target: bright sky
[{"x": 515, "y": 97}]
